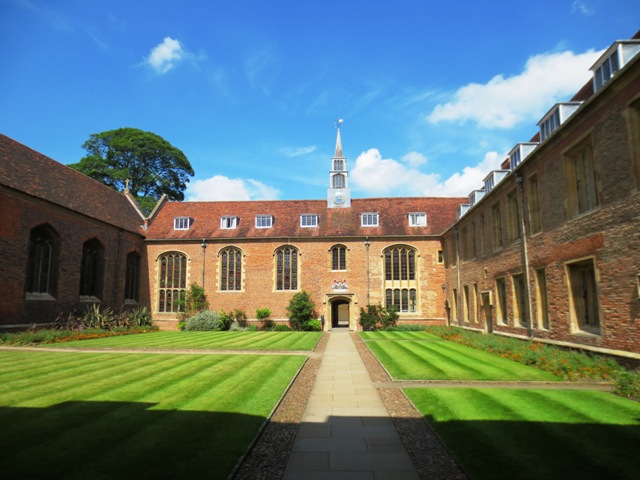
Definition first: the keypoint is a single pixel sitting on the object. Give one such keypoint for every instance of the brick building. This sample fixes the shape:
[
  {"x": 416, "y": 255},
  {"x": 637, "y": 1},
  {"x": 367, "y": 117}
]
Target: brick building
[
  {"x": 550, "y": 247},
  {"x": 67, "y": 241}
]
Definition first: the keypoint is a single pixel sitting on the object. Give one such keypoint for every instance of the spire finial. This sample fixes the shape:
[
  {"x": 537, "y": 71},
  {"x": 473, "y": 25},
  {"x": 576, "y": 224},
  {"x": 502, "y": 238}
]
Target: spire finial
[{"x": 338, "y": 153}]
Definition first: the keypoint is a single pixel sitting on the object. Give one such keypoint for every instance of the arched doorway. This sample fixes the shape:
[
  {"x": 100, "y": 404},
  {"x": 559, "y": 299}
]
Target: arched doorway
[{"x": 340, "y": 313}]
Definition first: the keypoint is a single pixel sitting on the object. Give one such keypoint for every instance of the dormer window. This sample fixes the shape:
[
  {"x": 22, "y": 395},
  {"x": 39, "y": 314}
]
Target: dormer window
[
  {"x": 264, "y": 221},
  {"x": 369, "y": 219},
  {"x": 418, "y": 219},
  {"x": 519, "y": 153},
  {"x": 556, "y": 117},
  {"x": 182, "y": 223},
  {"x": 493, "y": 179},
  {"x": 228, "y": 222},
  {"x": 616, "y": 57},
  {"x": 309, "y": 220}
]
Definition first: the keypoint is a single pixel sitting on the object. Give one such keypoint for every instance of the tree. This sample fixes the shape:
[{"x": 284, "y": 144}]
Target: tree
[
  {"x": 301, "y": 310},
  {"x": 152, "y": 165}
]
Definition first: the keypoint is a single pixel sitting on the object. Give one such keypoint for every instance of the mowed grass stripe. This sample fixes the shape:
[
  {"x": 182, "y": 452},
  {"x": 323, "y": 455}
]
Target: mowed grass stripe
[
  {"x": 445, "y": 360},
  {"x": 304, "y": 341},
  {"x": 563, "y": 433},
  {"x": 61, "y": 383},
  {"x": 173, "y": 417},
  {"x": 384, "y": 335}
]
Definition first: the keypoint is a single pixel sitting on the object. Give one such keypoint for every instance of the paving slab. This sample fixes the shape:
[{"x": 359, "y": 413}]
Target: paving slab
[{"x": 346, "y": 432}]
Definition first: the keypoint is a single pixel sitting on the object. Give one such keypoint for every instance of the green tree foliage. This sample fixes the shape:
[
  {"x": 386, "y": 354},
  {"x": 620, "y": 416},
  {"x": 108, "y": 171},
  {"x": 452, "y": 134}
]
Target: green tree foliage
[
  {"x": 377, "y": 317},
  {"x": 151, "y": 164},
  {"x": 301, "y": 310}
]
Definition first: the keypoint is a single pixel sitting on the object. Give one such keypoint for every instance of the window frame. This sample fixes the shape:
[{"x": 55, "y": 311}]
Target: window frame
[
  {"x": 182, "y": 223},
  {"x": 370, "y": 219},
  {"x": 132, "y": 277},
  {"x": 42, "y": 264},
  {"x": 501, "y": 301},
  {"x": 171, "y": 288},
  {"x": 92, "y": 270},
  {"x": 338, "y": 258},
  {"x": 264, "y": 221},
  {"x": 580, "y": 169},
  {"x": 305, "y": 217},
  {"x": 287, "y": 268},
  {"x": 228, "y": 222},
  {"x": 573, "y": 270},
  {"x": 416, "y": 219},
  {"x": 230, "y": 269}
]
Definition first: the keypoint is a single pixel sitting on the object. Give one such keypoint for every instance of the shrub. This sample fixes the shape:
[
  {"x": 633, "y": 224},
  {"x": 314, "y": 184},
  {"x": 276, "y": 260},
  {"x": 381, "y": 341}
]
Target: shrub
[
  {"x": 301, "y": 310},
  {"x": 138, "y": 317},
  {"x": 281, "y": 327},
  {"x": 195, "y": 301},
  {"x": 252, "y": 328},
  {"x": 263, "y": 315},
  {"x": 314, "y": 326},
  {"x": 628, "y": 385},
  {"x": 376, "y": 317},
  {"x": 204, "y": 321}
]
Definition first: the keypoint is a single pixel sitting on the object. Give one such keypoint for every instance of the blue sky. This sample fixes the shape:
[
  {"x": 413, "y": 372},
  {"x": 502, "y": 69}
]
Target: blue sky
[{"x": 433, "y": 94}]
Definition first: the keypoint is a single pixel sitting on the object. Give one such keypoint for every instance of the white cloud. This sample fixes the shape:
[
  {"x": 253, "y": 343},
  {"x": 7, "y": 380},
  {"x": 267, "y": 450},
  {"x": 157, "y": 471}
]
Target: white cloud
[
  {"x": 221, "y": 188},
  {"x": 506, "y": 102},
  {"x": 387, "y": 177},
  {"x": 296, "y": 151},
  {"x": 166, "y": 55},
  {"x": 414, "y": 159},
  {"x": 582, "y": 7}
]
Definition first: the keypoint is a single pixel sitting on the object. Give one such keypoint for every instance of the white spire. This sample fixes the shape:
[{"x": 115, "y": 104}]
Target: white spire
[{"x": 338, "y": 153}]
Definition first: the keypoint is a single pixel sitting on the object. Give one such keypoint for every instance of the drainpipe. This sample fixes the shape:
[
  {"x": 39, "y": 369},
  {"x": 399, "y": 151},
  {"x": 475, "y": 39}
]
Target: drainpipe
[
  {"x": 525, "y": 254},
  {"x": 459, "y": 267},
  {"x": 204, "y": 251}
]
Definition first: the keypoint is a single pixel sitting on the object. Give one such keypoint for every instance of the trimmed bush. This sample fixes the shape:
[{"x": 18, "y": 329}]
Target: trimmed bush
[
  {"x": 301, "y": 310},
  {"x": 314, "y": 326},
  {"x": 628, "y": 385},
  {"x": 377, "y": 317},
  {"x": 281, "y": 327},
  {"x": 205, "y": 321},
  {"x": 263, "y": 315},
  {"x": 406, "y": 327}
]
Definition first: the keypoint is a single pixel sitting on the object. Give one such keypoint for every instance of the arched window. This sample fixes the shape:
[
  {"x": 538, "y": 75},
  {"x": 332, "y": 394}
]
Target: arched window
[
  {"x": 43, "y": 262},
  {"x": 339, "y": 181},
  {"x": 92, "y": 269},
  {"x": 287, "y": 268},
  {"x": 172, "y": 282},
  {"x": 338, "y": 257},
  {"x": 132, "y": 278},
  {"x": 231, "y": 269},
  {"x": 401, "y": 285}
]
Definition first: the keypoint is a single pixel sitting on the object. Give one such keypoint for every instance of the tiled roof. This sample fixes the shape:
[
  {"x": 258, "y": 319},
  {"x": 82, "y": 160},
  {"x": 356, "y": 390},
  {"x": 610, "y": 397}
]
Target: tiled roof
[
  {"x": 333, "y": 222},
  {"x": 30, "y": 172}
]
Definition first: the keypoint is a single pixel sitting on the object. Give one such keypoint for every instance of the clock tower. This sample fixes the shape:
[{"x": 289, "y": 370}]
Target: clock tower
[{"x": 338, "y": 195}]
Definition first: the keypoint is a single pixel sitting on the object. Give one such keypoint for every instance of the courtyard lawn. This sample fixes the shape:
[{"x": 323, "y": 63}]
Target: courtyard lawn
[
  {"x": 129, "y": 415},
  {"x": 535, "y": 434},
  {"x": 422, "y": 356},
  {"x": 305, "y": 341}
]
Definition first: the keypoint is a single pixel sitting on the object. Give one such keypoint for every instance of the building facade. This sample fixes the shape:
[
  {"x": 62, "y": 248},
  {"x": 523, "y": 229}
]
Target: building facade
[{"x": 550, "y": 247}]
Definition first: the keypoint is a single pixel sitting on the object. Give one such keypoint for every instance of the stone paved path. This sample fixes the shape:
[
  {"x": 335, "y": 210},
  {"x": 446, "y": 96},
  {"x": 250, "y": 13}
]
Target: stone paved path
[{"x": 346, "y": 431}]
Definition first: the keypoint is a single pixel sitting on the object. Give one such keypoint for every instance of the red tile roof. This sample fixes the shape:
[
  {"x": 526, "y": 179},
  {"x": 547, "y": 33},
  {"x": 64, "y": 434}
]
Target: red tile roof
[
  {"x": 338, "y": 222},
  {"x": 30, "y": 172}
]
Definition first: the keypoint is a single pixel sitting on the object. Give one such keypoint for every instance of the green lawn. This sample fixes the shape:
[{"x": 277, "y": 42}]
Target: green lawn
[
  {"x": 106, "y": 415},
  {"x": 422, "y": 356},
  {"x": 305, "y": 341},
  {"x": 535, "y": 434}
]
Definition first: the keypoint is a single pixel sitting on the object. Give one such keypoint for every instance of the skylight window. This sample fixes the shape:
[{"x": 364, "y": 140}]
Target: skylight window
[{"x": 182, "y": 223}]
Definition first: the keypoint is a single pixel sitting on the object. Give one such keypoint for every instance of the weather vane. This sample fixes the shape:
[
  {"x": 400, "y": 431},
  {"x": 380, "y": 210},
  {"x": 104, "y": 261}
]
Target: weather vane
[{"x": 339, "y": 122}]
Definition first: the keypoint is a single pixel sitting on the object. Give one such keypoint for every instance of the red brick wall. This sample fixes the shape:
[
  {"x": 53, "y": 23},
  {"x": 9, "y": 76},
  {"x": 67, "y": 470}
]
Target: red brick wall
[
  {"x": 610, "y": 233},
  {"x": 315, "y": 276},
  {"x": 20, "y": 214}
]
